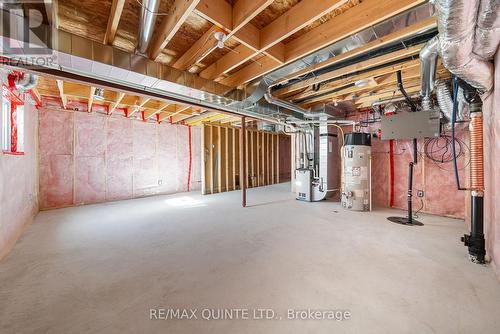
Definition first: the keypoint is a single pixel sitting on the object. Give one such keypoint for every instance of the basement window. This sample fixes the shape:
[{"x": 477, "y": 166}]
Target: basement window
[{"x": 12, "y": 122}]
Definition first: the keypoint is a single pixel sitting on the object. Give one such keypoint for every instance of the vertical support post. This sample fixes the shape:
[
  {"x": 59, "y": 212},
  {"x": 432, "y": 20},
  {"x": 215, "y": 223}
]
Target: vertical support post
[
  {"x": 293, "y": 161},
  {"x": 243, "y": 166}
]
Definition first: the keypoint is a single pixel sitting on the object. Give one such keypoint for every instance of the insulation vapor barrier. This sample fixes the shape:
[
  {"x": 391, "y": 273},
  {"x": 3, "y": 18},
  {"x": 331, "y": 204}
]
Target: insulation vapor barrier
[
  {"x": 91, "y": 158},
  {"x": 466, "y": 47}
]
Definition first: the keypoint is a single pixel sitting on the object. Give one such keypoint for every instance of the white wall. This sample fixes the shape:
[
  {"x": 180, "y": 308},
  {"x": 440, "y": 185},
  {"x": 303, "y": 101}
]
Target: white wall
[{"x": 19, "y": 185}]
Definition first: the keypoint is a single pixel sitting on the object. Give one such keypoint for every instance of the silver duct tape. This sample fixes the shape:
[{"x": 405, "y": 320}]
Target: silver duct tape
[
  {"x": 488, "y": 29},
  {"x": 457, "y": 26}
]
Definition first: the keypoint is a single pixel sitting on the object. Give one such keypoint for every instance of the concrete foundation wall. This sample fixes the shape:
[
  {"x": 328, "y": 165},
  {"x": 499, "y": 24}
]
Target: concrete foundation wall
[
  {"x": 90, "y": 158},
  {"x": 19, "y": 185}
]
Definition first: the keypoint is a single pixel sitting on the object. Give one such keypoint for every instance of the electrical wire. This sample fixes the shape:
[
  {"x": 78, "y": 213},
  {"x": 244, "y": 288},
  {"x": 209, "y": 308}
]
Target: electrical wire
[{"x": 415, "y": 214}]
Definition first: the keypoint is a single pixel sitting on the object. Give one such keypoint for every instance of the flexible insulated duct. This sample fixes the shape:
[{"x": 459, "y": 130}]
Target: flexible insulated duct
[
  {"x": 457, "y": 22},
  {"x": 488, "y": 29},
  {"x": 444, "y": 99}
]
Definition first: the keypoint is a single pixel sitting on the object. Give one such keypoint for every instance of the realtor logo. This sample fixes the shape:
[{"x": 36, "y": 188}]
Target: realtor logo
[{"x": 26, "y": 33}]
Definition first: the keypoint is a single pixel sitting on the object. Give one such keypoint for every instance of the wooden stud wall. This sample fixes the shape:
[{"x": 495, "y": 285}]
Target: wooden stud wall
[{"x": 221, "y": 165}]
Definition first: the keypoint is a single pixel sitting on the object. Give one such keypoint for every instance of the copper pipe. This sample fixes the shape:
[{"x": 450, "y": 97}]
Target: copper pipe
[{"x": 476, "y": 150}]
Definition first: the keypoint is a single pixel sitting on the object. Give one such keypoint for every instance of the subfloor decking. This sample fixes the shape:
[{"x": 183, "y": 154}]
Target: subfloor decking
[{"x": 101, "y": 268}]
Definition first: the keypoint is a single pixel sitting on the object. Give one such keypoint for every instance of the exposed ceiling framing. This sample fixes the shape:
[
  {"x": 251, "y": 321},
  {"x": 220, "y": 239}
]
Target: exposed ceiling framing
[{"x": 260, "y": 36}]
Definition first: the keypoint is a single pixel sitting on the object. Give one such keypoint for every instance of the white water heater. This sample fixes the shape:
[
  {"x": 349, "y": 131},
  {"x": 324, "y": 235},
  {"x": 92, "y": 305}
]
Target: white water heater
[{"x": 356, "y": 190}]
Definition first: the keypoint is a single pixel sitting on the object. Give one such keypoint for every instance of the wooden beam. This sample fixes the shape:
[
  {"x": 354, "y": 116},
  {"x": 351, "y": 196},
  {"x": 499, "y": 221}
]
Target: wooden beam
[
  {"x": 228, "y": 62},
  {"x": 139, "y": 103},
  {"x": 293, "y": 20},
  {"x": 193, "y": 119},
  {"x": 52, "y": 11},
  {"x": 250, "y": 72},
  {"x": 296, "y": 18},
  {"x": 400, "y": 34},
  {"x": 149, "y": 113},
  {"x": 352, "y": 79},
  {"x": 181, "y": 109},
  {"x": 163, "y": 116},
  {"x": 60, "y": 86},
  {"x": 114, "y": 19},
  {"x": 179, "y": 117},
  {"x": 407, "y": 65},
  {"x": 200, "y": 49},
  {"x": 354, "y": 90},
  {"x": 91, "y": 99},
  {"x": 112, "y": 106},
  {"x": 360, "y": 17},
  {"x": 170, "y": 25},
  {"x": 245, "y": 10},
  {"x": 219, "y": 12}
]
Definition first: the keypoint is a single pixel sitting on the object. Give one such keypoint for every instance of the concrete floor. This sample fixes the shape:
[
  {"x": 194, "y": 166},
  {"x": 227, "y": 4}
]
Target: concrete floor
[{"x": 100, "y": 268}]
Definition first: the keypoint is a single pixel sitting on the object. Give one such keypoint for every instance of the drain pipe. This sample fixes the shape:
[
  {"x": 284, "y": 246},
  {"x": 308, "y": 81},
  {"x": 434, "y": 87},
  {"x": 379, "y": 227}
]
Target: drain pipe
[
  {"x": 460, "y": 22},
  {"x": 475, "y": 240},
  {"x": 147, "y": 24}
]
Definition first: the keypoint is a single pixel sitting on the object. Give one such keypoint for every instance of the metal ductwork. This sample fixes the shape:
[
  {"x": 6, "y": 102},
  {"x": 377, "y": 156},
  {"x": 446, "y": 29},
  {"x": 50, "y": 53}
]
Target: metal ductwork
[
  {"x": 147, "y": 24},
  {"x": 488, "y": 29},
  {"x": 289, "y": 105},
  {"x": 459, "y": 49},
  {"x": 428, "y": 64},
  {"x": 444, "y": 99}
]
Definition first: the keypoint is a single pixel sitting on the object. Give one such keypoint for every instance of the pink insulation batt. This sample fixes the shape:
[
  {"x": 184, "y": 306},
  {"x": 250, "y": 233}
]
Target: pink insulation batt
[{"x": 90, "y": 158}]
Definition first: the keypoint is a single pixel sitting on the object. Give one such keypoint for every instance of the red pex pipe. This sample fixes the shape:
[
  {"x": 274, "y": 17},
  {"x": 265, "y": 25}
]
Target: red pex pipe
[
  {"x": 190, "y": 158},
  {"x": 391, "y": 164}
]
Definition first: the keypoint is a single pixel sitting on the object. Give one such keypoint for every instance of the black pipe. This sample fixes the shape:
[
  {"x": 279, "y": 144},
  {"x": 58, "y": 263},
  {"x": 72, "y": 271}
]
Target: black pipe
[
  {"x": 475, "y": 240},
  {"x": 410, "y": 193},
  {"x": 415, "y": 152},
  {"x": 453, "y": 121},
  {"x": 401, "y": 88}
]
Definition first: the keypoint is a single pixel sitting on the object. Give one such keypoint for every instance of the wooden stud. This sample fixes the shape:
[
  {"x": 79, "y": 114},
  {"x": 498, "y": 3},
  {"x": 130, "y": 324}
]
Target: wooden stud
[
  {"x": 204, "y": 160},
  {"x": 60, "y": 86},
  {"x": 52, "y": 11},
  {"x": 272, "y": 157},
  {"x": 278, "y": 158},
  {"x": 148, "y": 114},
  {"x": 91, "y": 99},
  {"x": 229, "y": 164},
  {"x": 113, "y": 105},
  {"x": 211, "y": 161},
  {"x": 237, "y": 183},
  {"x": 244, "y": 177},
  {"x": 234, "y": 158},
  {"x": 252, "y": 159}
]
